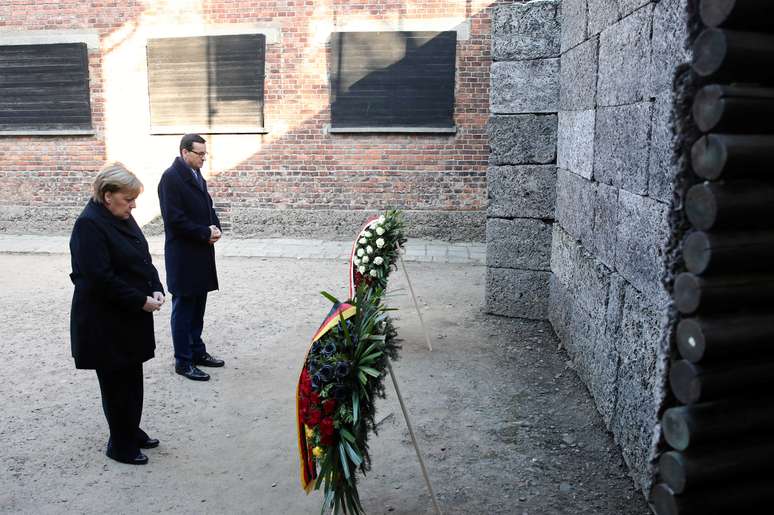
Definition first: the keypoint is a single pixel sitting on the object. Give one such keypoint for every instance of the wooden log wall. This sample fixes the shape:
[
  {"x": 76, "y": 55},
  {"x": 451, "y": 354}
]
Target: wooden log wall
[{"x": 720, "y": 454}]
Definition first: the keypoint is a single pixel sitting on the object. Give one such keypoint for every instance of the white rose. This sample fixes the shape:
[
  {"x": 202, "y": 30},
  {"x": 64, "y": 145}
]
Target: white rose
[
  {"x": 380, "y": 243},
  {"x": 367, "y": 234},
  {"x": 381, "y": 219},
  {"x": 370, "y": 249},
  {"x": 378, "y": 260},
  {"x": 361, "y": 269},
  {"x": 366, "y": 259},
  {"x": 362, "y": 241},
  {"x": 356, "y": 261},
  {"x": 379, "y": 231},
  {"x": 360, "y": 252},
  {"x": 373, "y": 273}
]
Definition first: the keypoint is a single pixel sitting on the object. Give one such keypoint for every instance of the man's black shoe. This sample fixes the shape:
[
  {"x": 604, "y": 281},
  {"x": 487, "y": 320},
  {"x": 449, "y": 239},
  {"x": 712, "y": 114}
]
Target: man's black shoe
[
  {"x": 191, "y": 372},
  {"x": 208, "y": 361},
  {"x": 150, "y": 443},
  {"x": 140, "y": 459}
]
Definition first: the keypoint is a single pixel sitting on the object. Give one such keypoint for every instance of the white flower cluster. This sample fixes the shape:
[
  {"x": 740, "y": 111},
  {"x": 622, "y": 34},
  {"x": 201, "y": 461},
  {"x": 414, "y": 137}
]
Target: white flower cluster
[{"x": 365, "y": 254}]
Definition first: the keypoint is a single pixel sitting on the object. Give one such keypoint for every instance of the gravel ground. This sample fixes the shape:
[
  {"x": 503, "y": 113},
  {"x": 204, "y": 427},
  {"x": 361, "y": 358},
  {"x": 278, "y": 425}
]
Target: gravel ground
[{"x": 504, "y": 425}]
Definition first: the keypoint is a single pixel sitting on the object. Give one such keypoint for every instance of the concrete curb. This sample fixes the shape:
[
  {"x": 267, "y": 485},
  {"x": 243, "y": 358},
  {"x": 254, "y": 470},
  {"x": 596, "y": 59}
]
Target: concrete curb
[{"x": 429, "y": 251}]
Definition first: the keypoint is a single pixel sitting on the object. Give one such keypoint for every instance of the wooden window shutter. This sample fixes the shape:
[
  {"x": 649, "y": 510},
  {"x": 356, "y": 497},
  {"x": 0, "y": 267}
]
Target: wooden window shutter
[
  {"x": 206, "y": 83},
  {"x": 44, "y": 87},
  {"x": 393, "y": 79}
]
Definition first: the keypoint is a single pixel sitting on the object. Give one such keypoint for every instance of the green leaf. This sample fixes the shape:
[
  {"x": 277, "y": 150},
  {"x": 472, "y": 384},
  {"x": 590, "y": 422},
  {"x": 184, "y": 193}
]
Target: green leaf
[
  {"x": 371, "y": 357},
  {"x": 345, "y": 502},
  {"x": 347, "y": 435},
  {"x": 355, "y": 406},
  {"x": 370, "y": 371},
  {"x": 344, "y": 464},
  {"x": 362, "y": 377},
  {"x": 327, "y": 501},
  {"x": 354, "y": 456},
  {"x": 366, "y": 351},
  {"x": 329, "y": 297},
  {"x": 367, "y": 362}
]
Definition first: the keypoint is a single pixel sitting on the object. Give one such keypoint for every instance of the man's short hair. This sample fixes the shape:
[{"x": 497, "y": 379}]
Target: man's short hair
[{"x": 188, "y": 140}]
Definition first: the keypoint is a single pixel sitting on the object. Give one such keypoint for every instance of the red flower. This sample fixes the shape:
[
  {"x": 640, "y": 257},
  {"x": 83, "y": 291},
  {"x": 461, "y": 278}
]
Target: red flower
[
  {"x": 306, "y": 383},
  {"x": 326, "y": 427},
  {"x": 326, "y": 439},
  {"x": 315, "y": 398},
  {"x": 358, "y": 278},
  {"x": 329, "y": 406},
  {"x": 314, "y": 417}
]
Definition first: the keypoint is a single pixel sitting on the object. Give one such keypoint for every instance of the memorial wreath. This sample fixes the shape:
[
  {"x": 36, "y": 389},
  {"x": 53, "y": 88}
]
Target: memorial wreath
[{"x": 344, "y": 371}]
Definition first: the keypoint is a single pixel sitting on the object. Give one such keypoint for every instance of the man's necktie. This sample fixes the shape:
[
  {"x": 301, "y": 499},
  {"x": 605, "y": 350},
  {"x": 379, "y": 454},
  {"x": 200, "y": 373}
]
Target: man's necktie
[{"x": 199, "y": 179}]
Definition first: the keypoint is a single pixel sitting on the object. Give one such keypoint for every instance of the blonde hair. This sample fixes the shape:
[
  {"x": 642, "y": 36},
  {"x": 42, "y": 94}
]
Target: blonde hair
[{"x": 112, "y": 177}]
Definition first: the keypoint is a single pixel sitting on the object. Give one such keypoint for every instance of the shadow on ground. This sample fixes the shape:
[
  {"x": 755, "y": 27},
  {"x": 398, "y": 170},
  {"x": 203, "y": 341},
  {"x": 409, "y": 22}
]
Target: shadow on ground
[{"x": 505, "y": 426}]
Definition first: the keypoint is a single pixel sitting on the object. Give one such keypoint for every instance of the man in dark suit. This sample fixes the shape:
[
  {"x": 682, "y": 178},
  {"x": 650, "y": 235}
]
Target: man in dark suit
[{"x": 191, "y": 229}]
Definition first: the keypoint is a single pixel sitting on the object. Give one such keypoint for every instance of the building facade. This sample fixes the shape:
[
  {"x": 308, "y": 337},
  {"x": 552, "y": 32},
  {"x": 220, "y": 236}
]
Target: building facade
[{"x": 314, "y": 127}]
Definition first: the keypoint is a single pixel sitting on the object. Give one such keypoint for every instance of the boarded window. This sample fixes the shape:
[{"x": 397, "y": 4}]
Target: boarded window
[
  {"x": 206, "y": 84},
  {"x": 44, "y": 88},
  {"x": 393, "y": 80}
]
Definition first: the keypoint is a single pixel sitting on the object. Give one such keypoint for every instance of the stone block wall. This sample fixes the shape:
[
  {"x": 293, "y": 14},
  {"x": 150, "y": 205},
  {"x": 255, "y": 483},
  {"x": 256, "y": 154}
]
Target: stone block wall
[
  {"x": 521, "y": 179},
  {"x": 615, "y": 179}
]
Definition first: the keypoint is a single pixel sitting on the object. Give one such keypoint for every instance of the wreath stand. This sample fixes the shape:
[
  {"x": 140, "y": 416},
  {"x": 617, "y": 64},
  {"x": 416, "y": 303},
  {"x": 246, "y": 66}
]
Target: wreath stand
[
  {"x": 414, "y": 298},
  {"x": 414, "y": 439},
  {"x": 400, "y": 397}
]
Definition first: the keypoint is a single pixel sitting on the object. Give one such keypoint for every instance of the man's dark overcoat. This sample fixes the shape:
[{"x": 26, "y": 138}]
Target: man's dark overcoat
[
  {"x": 113, "y": 274},
  {"x": 188, "y": 212}
]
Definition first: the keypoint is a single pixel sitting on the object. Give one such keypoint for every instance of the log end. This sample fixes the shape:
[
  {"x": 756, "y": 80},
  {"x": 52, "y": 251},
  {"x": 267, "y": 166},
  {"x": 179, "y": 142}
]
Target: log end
[
  {"x": 697, "y": 252},
  {"x": 708, "y": 157},
  {"x": 684, "y": 381},
  {"x": 709, "y": 52},
  {"x": 700, "y": 207},
  {"x": 690, "y": 340},
  {"x": 663, "y": 500},
  {"x": 687, "y": 293},
  {"x": 671, "y": 467},
  {"x": 676, "y": 430},
  {"x": 708, "y": 107},
  {"x": 714, "y": 12}
]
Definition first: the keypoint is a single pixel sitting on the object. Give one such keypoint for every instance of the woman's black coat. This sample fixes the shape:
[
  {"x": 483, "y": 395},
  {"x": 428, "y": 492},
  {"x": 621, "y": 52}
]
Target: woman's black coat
[{"x": 113, "y": 274}]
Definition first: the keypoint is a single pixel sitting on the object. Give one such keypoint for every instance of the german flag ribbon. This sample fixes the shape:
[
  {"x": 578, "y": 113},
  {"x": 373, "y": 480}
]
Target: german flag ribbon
[{"x": 339, "y": 311}]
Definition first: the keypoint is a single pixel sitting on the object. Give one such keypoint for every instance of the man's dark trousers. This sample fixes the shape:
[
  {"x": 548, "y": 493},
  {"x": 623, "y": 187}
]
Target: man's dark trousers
[{"x": 187, "y": 324}]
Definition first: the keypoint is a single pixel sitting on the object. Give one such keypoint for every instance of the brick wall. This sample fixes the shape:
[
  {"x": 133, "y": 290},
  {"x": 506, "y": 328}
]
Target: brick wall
[{"x": 295, "y": 179}]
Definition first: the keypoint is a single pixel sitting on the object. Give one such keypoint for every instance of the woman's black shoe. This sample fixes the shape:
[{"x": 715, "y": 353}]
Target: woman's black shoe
[{"x": 140, "y": 459}]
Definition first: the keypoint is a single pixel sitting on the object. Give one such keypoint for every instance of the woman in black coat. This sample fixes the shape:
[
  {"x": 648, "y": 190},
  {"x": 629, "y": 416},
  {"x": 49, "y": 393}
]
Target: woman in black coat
[{"x": 117, "y": 289}]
